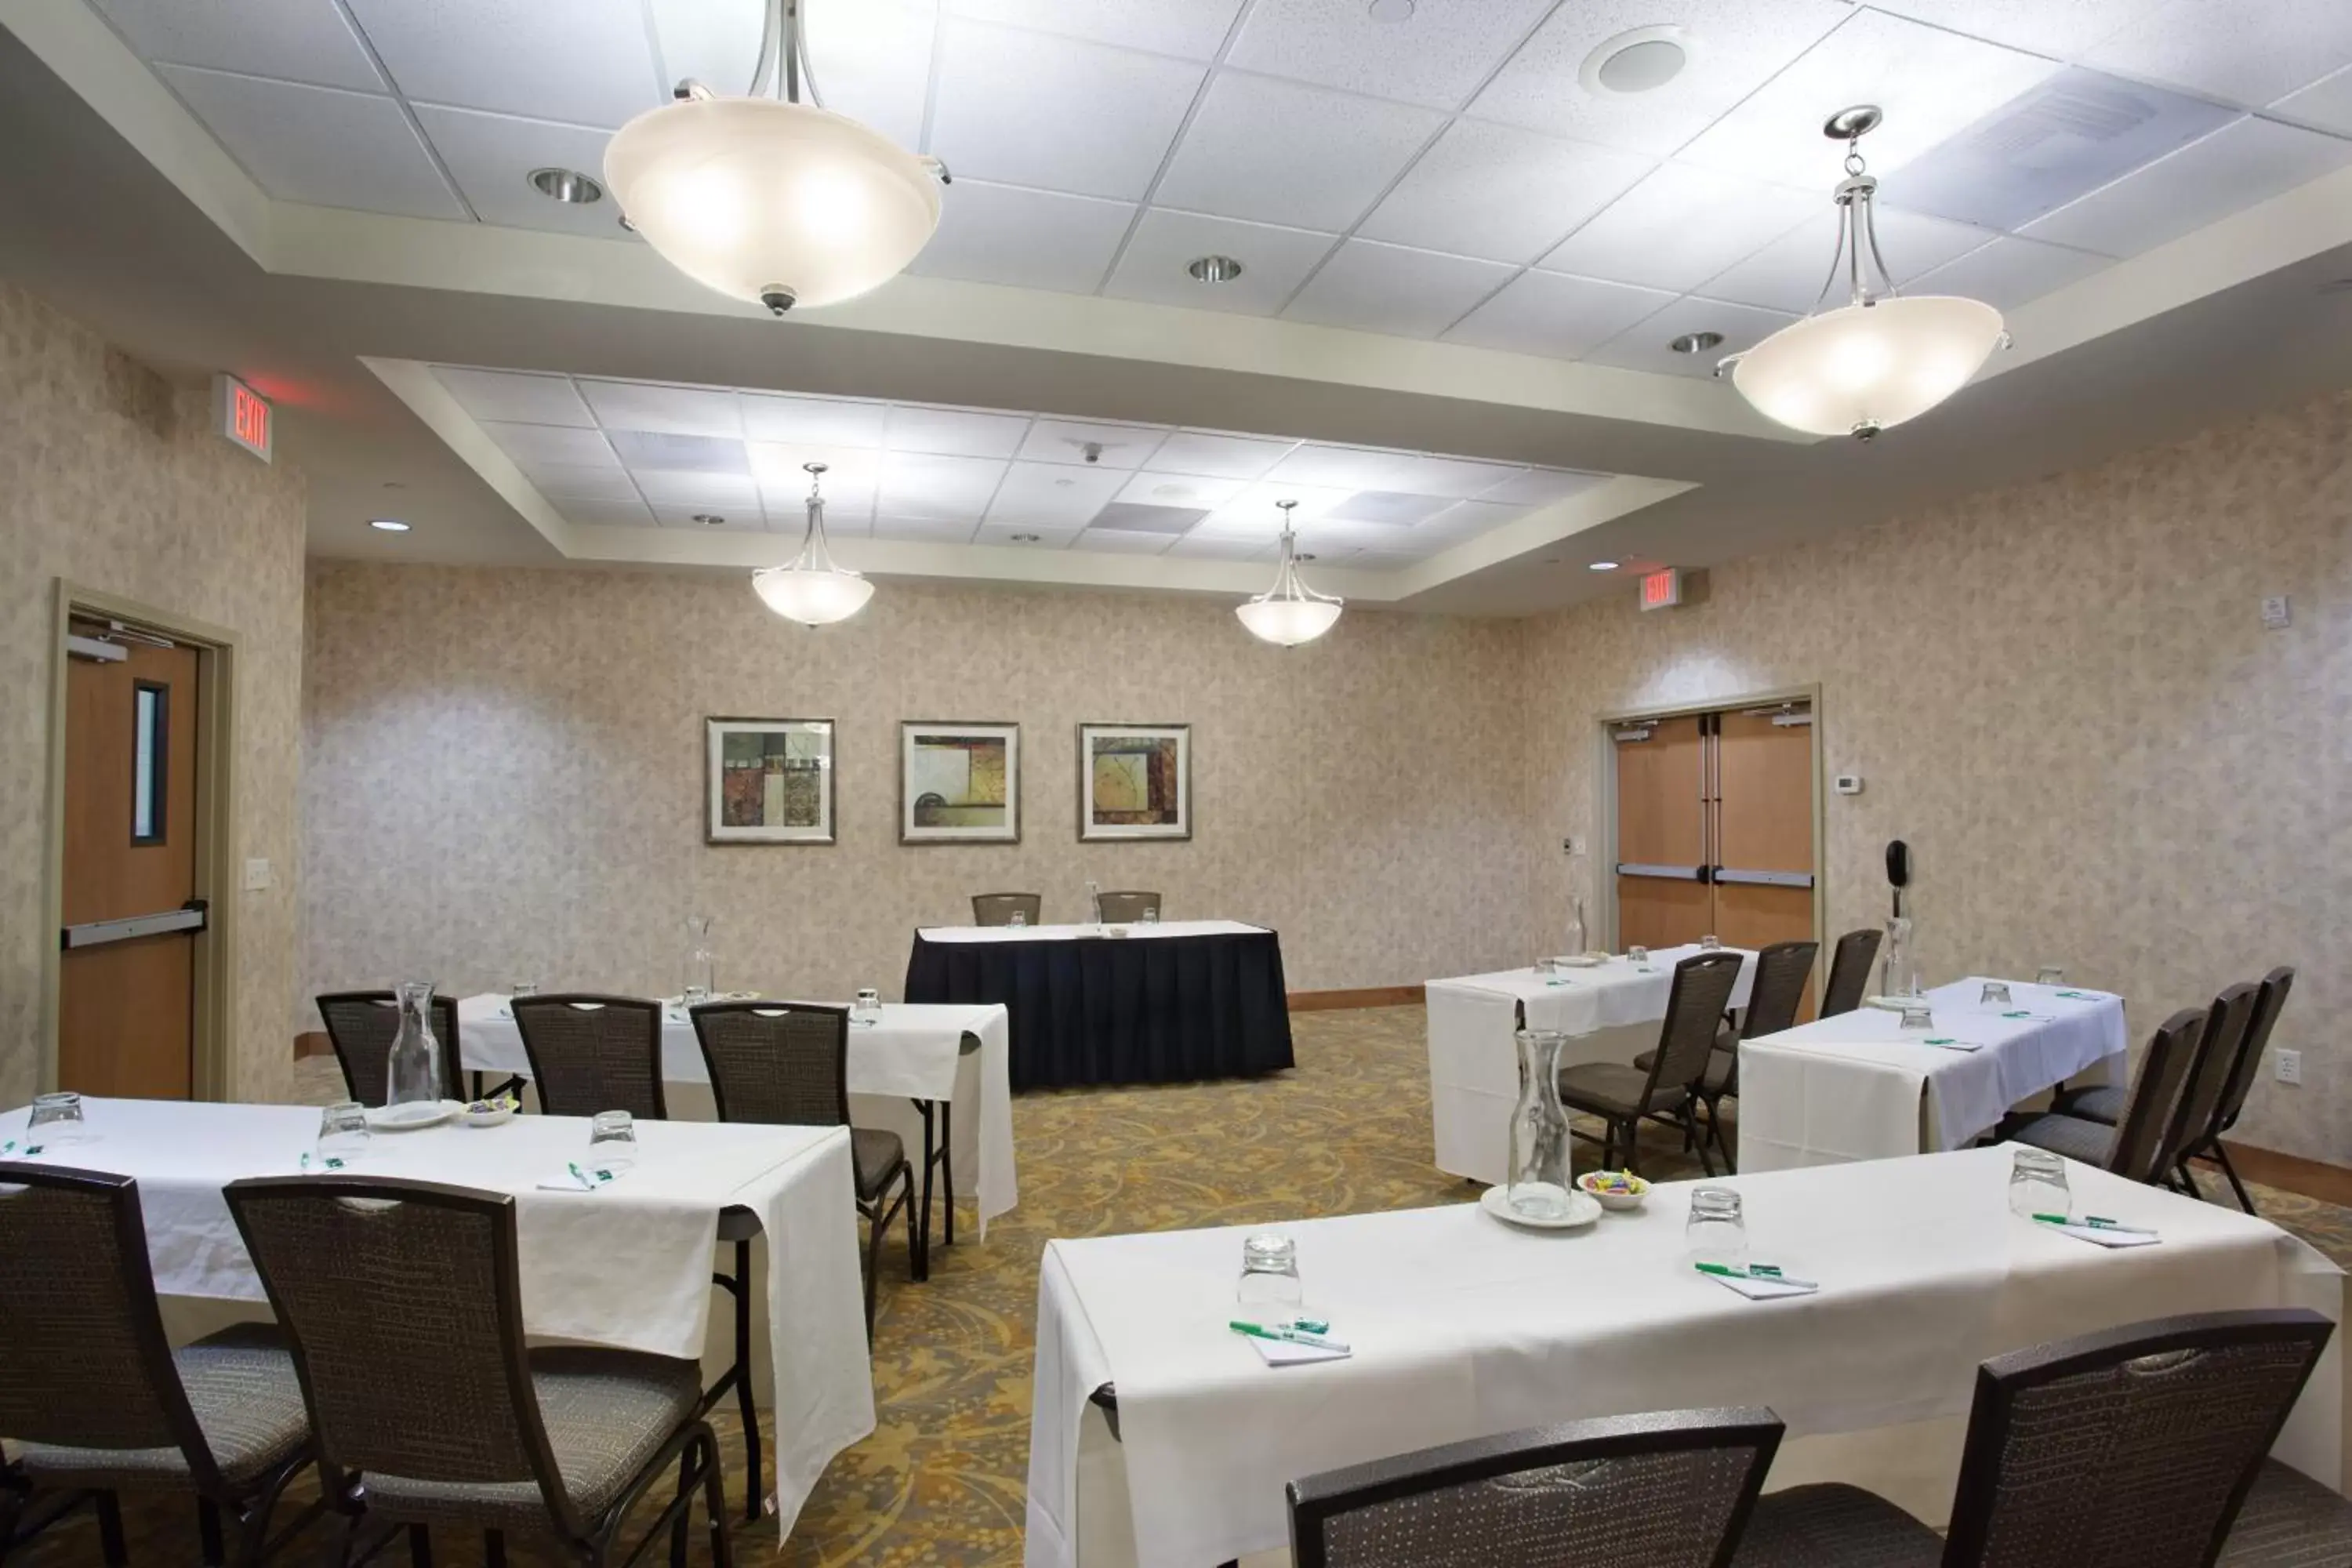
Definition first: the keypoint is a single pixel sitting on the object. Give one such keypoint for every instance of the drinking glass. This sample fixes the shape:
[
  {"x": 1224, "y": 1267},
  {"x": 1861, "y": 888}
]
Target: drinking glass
[
  {"x": 1995, "y": 995},
  {"x": 701, "y": 962},
  {"x": 1269, "y": 1274},
  {"x": 1151, "y": 914},
  {"x": 1915, "y": 1015},
  {"x": 1710, "y": 944},
  {"x": 2037, "y": 1184},
  {"x": 613, "y": 1140},
  {"x": 57, "y": 1119},
  {"x": 520, "y": 989},
  {"x": 1716, "y": 1232},
  {"x": 1545, "y": 967},
  {"x": 342, "y": 1133},
  {"x": 2051, "y": 974},
  {"x": 1017, "y": 917},
  {"x": 1637, "y": 955},
  {"x": 868, "y": 1010}
]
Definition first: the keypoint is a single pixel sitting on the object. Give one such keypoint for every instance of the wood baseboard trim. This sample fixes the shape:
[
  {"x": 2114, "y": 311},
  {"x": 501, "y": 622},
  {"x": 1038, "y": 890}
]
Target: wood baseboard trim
[
  {"x": 312, "y": 1043},
  {"x": 2290, "y": 1172},
  {"x": 1369, "y": 996}
]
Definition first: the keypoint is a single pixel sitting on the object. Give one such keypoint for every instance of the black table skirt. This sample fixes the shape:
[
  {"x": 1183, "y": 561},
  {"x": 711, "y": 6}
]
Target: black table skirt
[{"x": 1156, "y": 1009}]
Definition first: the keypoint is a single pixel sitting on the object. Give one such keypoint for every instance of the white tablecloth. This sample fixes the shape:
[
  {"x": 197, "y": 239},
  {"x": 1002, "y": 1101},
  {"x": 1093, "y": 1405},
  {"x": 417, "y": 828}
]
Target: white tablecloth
[
  {"x": 1073, "y": 932},
  {"x": 1463, "y": 1327},
  {"x": 1473, "y": 1060},
  {"x": 1857, "y": 1087},
  {"x": 915, "y": 1052},
  {"x": 627, "y": 1265}
]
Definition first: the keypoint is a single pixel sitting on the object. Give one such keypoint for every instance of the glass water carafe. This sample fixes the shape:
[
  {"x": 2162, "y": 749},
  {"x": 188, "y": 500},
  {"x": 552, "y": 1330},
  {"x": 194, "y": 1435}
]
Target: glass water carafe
[
  {"x": 1900, "y": 976},
  {"x": 1094, "y": 903},
  {"x": 1576, "y": 933},
  {"x": 413, "y": 1070},
  {"x": 1539, "y": 1180},
  {"x": 700, "y": 964}
]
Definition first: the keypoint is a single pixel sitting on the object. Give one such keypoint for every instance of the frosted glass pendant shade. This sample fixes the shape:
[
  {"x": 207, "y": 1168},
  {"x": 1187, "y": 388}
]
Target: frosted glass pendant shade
[
  {"x": 1865, "y": 368},
  {"x": 814, "y": 598},
  {"x": 1288, "y": 622}
]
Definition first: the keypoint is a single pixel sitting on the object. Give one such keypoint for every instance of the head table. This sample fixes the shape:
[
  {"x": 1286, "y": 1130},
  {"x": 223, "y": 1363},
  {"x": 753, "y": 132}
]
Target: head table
[
  {"x": 1463, "y": 1327},
  {"x": 627, "y": 1265}
]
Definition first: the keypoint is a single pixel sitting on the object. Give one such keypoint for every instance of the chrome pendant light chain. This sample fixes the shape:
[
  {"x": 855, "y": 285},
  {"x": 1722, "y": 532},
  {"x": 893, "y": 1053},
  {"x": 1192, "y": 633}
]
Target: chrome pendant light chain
[{"x": 1857, "y": 216}]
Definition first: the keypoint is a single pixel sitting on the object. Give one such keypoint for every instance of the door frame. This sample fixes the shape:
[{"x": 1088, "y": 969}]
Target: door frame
[
  {"x": 213, "y": 1073},
  {"x": 1604, "y": 793}
]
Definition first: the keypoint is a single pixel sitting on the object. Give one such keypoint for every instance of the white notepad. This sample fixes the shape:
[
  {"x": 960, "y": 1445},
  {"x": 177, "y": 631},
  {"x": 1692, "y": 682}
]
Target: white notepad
[
  {"x": 2101, "y": 1236},
  {"x": 1282, "y": 1352},
  {"x": 1756, "y": 1289}
]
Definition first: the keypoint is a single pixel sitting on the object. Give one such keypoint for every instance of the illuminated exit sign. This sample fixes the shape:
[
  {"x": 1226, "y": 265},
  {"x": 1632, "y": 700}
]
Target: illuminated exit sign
[
  {"x": 1662, "y": 590},
  {"x": 242, "y": 415}
]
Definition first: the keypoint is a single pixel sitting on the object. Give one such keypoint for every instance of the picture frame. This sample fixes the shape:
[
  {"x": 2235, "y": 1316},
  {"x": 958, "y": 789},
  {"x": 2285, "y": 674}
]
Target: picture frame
[
  {"x": 768, "y": 781},
  {"x": 958, "y": 782},
  {"x": 1135, "y": 781}
]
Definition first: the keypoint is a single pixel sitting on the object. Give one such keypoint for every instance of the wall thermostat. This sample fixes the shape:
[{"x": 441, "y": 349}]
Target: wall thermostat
[{"x": 1848, "y": 784}]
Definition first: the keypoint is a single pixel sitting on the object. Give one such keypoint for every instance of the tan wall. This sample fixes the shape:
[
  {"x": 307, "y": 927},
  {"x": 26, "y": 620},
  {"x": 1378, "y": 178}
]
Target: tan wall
[
  {"x": 110, "y": 477},
  {"x": 2063, "y": 697},
  {"x": 504, "y": 773}
]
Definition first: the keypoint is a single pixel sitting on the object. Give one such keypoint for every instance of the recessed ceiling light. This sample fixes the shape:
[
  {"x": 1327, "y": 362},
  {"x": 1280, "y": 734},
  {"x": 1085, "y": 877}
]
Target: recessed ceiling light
[
  {"x": 1214, "y": 269},
  {"x": 566, "y": 185},
  {"x": 1696, "y": 342},
  {"x": 1173, "y": 491},
  {"x": 1602, "y": 566},
  {"x": 1304, "y": 555},
  {"x": 1024, "y": 539},
  {"x": 709, "y": 519},
  {"x": 387, "y": 525},
  {"x": 1640, "y": 61},
  {"x": 1390, "y": 11}
]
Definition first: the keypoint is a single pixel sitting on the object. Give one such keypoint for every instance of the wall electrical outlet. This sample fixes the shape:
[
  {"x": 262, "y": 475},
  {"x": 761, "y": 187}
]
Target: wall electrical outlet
[
  {"x": 257, "y": 878},
  {"x": 2277, "y": 615},
  {"x": 2290, "y": 1067}
]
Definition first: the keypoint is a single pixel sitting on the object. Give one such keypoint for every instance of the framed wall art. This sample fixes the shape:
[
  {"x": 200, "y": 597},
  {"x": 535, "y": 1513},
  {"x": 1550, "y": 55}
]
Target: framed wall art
[
  {"x": 1135, "y": 781},
  {"x": 769, "y": 781},
  {"x": 959, "y": 782}
]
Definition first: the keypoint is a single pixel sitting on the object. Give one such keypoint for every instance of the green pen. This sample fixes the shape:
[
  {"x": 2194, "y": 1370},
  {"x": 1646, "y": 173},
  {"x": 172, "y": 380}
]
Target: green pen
[
  {"x": 2095, "y": 1222},
  {"x": 1289, "y": 1336},
  {"x": 585, "y": 1181},
  {"x": 1763, "y": 1271}
]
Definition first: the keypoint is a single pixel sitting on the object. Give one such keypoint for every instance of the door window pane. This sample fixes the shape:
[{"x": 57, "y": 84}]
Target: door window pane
[{"x": 150, "y": 716}]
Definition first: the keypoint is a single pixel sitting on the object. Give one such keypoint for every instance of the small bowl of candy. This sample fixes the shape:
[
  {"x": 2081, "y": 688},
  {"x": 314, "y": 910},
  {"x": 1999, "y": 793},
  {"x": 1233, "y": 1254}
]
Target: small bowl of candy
[
  {"x": 1619, "y": 1190},
  {"x": 495, "y": 1112}
]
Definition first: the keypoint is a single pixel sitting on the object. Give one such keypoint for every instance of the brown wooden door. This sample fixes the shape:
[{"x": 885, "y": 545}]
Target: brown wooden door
[
  {"x": 126, "y": 1016},
  {"x": 1661, "y": 832},
  {"x": 1763, "y": 846}
]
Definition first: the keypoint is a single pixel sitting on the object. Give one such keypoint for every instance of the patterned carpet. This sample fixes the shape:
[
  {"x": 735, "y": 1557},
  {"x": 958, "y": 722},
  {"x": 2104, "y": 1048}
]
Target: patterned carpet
[{"x": 941, "y": 1482}]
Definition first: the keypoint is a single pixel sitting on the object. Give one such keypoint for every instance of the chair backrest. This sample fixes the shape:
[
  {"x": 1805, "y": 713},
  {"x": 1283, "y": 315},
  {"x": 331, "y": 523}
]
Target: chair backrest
[
  {"x": 402, "y": 1303},
  {"x": 83, "y": 1358},
  {"x": 2131, "y": 1449},
  {"x": 996, "y": 909},
  {"x": 783, "y": 1062},
  {"x": 361, "y": 1025},
  {"x": 2267, "y": 1006},
  {"x": 591, "y": 1053},
  {"x": 2138, "y": 1149},
  {"x": 2200, "y": 1114},
  {"x": 1779, "y": 988},
  {"x": 1672, "y": 1490},
  {"x": 1702, "y": 990},
  {"x": 1123, "y": 908},
  {"x": 1850, "y": 962}
]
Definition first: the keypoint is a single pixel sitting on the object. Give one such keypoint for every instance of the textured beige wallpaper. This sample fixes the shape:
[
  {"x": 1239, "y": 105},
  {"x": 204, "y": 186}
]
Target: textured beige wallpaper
[
  {"x": 110, "y": 477},
  {"x": 503, "y": 778},
  {"x": 2063, "y": 697}
]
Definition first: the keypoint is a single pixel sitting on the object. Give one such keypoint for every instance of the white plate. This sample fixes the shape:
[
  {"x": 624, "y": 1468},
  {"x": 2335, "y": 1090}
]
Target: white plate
[
  {"x": 1584, "y": 1208},
  {"x": 1893, "y": 1004},
  {"x": 413, "y": 1117},
  {"x": 1581, "y": 960}
]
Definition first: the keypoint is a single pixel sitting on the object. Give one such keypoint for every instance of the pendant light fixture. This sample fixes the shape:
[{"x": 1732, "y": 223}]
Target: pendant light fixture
[
  {"x": 767, "y": 198},
  {"x": 1881, "y": 358},
  {"x": 811, "y": 590},
  {"x": 1291, "y": 612}
]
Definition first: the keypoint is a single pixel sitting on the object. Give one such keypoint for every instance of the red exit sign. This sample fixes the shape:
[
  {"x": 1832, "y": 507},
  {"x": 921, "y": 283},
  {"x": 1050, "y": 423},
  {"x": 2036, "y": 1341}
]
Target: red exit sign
[
  {"x": 242, "y": 415},
  {"x": 1662, "y": 590}
]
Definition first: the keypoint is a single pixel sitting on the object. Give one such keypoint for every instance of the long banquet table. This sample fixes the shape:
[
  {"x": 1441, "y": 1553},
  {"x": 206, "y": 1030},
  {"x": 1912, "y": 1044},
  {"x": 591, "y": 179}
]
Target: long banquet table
[
  {"x": 1858, "y": 1086},
  {"x": 1164, "y": 1003},
  {"x": 1474, "y": 1022},
  {"x": 1463, "y": 1327},
  {"x": 627, "y": 1265}
]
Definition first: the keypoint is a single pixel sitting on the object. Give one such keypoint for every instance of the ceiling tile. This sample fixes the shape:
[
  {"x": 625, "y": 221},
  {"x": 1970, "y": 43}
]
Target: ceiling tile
[
  {"x": 295, "y": 40},
  {"x": 1554, "y": 314},
  {"x": 1680, "y": 227},
  {"x": 668, "y": 410},
  {"x": 1930, "y": 82},
  {"x": 605, "y": 514},
  {"x": 553, "y": 444},
  {"x": 1222, "y": 547},
  {"x": 1133, "y": 517},
  {"x": 923, "y": 530},
  {"x": 570, "y": 481},
  {"x": 1156, "y": 488},
  {"x": 1252, "y": 511},
  {"x": 1031, "y": 109},
  {"x": 2250, "y": 53},
  {"x": 1436, "y": 55},
  {"x": 2248, "y": 162},
  {"x": 1216, "y": 456},
  {"x": 1066, "y": 441},
  {"x": 712, "y": 519},
  {"x": 849, "y": 480},
  {"x": 2327, "y": 103},
  {"x": 956, "y": 432},
  {"x": 1789, "y": 273},
  {"x": 514, "y": 395},
  {"x": 816, "y": 421},
  {"x": 1503, "y": 193},
  {"x": 2010, "y": 272},
  {"x": 722, "y": 492},
  {"x": 585, "y": 62},
  {"x": 1542, "y": 487},
  {"x": 491, "y": 157},
  {"x": 1394, "y": 509},
  {"x": 1643, "y": 347},
  {"x": 1466, "y": 519},
  {"x": 1457, "y": 477},
  {"x": 1390, "y": 288},
  {"x": 1275, "y": 261},
  {"x": 1023, "y": 537},
  {"x": 1028, "y": 239},
  {"x": 643, "y": 449},
  {"x": 1279, "y": 153},
  {"x": 1737, "y": 46},
  {"x": 2061, "y": 29},
  {"x": 1052, "y": 495},
  {"x": 1346, "y": 469},
  {"x": 1194, "y": 29},
  {"x": 947, "y": 488},
  {"x": 318, "y": 144},
  {"x": 1121, "y": 543}
]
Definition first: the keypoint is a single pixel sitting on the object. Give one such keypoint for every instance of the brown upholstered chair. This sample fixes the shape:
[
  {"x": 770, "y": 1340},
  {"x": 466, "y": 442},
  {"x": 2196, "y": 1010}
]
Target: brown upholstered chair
[
  {"x": 1773, "y": 999},
  {"x": 1850, "y": 962},
  {"x": 998, "y": 909},
  {"x": 2136, "y": 1148},
  {"x": 1126, "y": 908},
  {"x": 361, "y": 1025},
  {"x": 1667, "y": 1090},
  {"x": 591, "y": 1053}
]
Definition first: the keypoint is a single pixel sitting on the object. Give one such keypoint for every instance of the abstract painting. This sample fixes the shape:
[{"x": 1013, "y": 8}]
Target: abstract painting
[
  {"x": 770, "y": 781},
  {"x": 1135, "y": 781},
  {"x": 959, "y": 783}
]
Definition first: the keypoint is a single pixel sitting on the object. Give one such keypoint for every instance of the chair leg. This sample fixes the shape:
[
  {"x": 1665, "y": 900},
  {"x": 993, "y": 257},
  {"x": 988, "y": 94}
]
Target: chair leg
[
  {"x": 109, "y": 1530},
  {"x": 2222, "y": 1155},
  {"x": 1690, "y": 1114},
  {"x": 678, "y": 1525},
  {"x": 1626, "y": 1135},
  {"x": 494, "y": 1549},
  {"x": 2189, "y": 1179},
  {"x": 923, "y": 1250},
  {"x": 714, "y": 1503},
  {"x": 420, "y": 1546},
  {"x": 208, "y": 1532},
  {"x": 873, "y": 1267},
  {"x": 743, "y": 1400},
  {"x": 947, "y": 1176}
]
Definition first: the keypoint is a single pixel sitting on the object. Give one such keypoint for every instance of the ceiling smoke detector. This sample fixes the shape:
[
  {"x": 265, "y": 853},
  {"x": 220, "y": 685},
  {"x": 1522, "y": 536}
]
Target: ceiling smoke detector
[
  {"x": 566, "y": 185},
  {"x": 709, "y": 520},
  {"x": 1214, "y": 269},
  {"x": 1640, "y": 61},
  {"x": 1390, "y": 10},
  {"x": 1024, "y": 539}
]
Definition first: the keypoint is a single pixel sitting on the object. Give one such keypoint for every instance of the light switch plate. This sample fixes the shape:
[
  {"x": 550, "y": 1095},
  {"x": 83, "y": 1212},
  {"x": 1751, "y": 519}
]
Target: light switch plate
[
  {"x": 1572, "y": 846},
  {"x": 1848, "y": 784},
  {"x": 258, "y": 877},
  {"x": 2290, "y": 1067},
  {"x": 2277, "y": 615}
]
